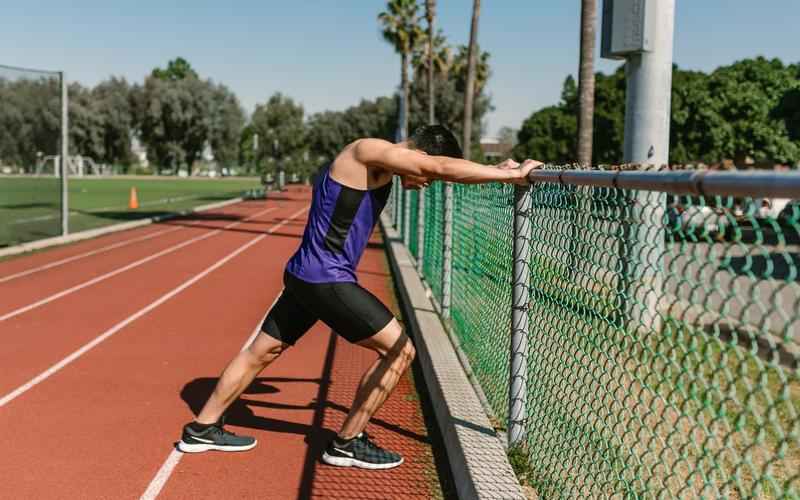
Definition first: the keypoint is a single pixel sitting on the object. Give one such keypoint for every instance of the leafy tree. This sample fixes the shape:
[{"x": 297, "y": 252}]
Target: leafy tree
[
  {"x": 85, "y": 123},
  {"x": 748, "y": 92},
  {"x": 174, "y": 120},
  {"x": 113, "y": 101},
  {"x": 401, "y": 29},
  {"x": 180, "y": 115},
  {"x": 330, "y": 131},
  {"x": 226, "y": 121},
  {"x": 30, "y": 120},
  {"x": 177, "y": 69},
  {"x": 281, "y": 131}
]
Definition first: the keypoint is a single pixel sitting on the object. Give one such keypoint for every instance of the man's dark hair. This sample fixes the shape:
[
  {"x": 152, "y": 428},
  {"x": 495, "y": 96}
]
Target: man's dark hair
[{"x": 436, "y": 140}]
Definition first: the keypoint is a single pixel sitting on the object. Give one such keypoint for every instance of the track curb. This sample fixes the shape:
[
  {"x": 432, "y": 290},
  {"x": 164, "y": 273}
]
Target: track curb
[
  {"x": 115, "y": 228},
  {"x": 476, "y": 454}
]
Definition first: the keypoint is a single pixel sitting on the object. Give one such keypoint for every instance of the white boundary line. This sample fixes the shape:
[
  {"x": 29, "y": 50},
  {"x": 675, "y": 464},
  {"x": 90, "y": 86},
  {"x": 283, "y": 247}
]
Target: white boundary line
[
  {"x": 110, "y": 274},
  {"x": 86, "y": 254},
  {"x": 174, "y": 457},
  {"x": 130, "y": 319}
]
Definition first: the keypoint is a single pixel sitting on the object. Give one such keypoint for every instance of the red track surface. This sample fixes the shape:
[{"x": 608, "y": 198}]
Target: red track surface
[{"x": 103, "y": 424}]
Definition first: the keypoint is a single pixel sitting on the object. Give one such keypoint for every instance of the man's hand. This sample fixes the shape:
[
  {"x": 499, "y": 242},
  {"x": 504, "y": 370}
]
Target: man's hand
[
  {"x": 524, "y": 170},
  {"x": 414, "y": 181},
  {"x": 520, "y": 171},
  {"x": 507, "y": 165}
]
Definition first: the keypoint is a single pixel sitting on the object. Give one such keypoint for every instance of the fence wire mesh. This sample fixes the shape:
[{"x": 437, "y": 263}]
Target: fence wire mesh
[
  {"x": 30, "y": 132},
  {"x": 663, "y": 353}
]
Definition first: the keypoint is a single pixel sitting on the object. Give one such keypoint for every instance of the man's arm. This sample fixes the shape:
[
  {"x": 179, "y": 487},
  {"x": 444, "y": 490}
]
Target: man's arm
[{"x": 403, "y": 161}]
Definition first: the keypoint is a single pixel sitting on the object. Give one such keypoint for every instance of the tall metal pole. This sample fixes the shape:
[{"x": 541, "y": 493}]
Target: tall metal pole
[
  {"x": 407, "y": 217},
  {"x": 447, "y": 248},
  {"x": 64, "y": 155},
  {"x": 520, "y": 322},
  {"x": 647, "y": 122},
  {"x": 420, "y": 230},
  {"x": 649, "y": 90}
]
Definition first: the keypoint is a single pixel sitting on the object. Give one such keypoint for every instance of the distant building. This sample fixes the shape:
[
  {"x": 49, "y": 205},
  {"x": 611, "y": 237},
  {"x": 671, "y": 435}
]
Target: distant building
[{"x": 494, "y": 150}]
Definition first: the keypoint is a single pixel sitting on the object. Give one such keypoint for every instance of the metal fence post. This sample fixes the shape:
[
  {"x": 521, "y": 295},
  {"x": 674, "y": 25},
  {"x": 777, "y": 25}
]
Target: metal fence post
[
  {"x": 406, "y": 217},
  {"x": 520, "y": 322},
  {"x": 447, "y": 261},
  {"x": 64, "y": 155},
  {"x": 420, "y": 231}
]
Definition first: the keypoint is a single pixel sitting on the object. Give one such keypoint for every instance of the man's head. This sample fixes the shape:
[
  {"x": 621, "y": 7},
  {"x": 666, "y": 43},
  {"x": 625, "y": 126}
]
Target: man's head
[{"x": 435, "y": 140}]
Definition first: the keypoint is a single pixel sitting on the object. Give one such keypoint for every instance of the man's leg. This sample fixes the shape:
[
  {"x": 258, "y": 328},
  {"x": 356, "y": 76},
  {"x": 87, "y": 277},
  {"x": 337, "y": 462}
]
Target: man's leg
[
  {"x": 352, "y": 446},
  {"x": 395, "y": 354},
  {"x": 286, "y": 322},
  {"x": 238, "y": 375}
]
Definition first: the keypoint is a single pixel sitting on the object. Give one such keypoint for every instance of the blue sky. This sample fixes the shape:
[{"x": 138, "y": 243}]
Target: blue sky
[{"x": 328, "y": 54}]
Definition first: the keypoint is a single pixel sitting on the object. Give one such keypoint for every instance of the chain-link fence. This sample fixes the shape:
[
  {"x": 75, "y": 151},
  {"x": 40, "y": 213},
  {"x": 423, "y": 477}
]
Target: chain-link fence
[
  {"x": 660, "y": 353},
  {"x": 30, "y": 136}
]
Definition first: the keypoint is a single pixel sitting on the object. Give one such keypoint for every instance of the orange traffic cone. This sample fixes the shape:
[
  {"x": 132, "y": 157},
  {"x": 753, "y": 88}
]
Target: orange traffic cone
[{"x": 133, "y": 201}]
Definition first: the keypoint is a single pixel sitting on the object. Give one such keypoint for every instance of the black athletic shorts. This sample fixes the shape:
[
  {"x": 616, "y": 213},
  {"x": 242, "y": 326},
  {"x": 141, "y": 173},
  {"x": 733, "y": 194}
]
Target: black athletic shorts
[{"x": 348, "y": 308}]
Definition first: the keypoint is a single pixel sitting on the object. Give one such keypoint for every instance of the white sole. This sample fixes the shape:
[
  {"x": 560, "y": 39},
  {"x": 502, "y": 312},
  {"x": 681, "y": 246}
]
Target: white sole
[
  {"x": 352, "y": 462},
  {"x": 201, "y": 447}
]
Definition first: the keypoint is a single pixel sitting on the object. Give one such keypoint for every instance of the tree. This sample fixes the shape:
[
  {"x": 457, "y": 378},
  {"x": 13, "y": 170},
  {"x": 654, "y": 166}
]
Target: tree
[
  {"x": 451, "y": 84},
  {"x": 113, "y": 101},
  {"x": 174, "y": 120},
  {"x": 281, "y": 131},
  {"x": 226, "y": 121},
  {"x": 177, "y": 69},
  {"x": 586, "y": 82},
  {"x": 401, "y": 29},
  {"x": 430, "y": 15},
  {"x": 85, "y": 123},
  {"x": 469, "y": 94},
  {"x": 748, "y": 92},
  {"x": 30, "y": 120},
  {"x": 330, "y": 131}
]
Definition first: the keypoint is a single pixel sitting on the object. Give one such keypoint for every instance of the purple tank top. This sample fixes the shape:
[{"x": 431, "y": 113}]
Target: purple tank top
[{"x": 340, "y": 223}]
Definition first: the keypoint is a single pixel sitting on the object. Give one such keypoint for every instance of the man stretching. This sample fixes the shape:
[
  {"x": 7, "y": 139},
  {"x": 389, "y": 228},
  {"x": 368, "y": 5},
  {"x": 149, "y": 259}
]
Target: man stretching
[{"x": 320, "y": 284}]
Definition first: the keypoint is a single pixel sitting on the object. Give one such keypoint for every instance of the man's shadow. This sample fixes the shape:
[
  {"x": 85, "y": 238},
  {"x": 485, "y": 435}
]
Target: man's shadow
[{"x": 241, "y": 413}]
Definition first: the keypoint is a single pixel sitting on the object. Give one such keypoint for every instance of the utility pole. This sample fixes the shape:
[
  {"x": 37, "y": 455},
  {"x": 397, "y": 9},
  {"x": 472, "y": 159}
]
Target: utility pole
[{"x": 642, "y": 32}]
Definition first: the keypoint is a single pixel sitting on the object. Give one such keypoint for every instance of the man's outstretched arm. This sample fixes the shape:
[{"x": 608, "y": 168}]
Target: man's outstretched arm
[{"x": 403, "y": 161}]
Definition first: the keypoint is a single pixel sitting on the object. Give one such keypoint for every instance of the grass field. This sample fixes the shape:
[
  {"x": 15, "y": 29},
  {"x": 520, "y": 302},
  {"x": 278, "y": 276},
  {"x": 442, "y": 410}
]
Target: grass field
[{"x": 30, "y": 206}]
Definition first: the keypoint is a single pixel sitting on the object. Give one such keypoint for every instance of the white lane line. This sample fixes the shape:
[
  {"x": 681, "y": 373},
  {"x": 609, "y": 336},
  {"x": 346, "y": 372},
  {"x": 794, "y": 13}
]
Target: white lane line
[
  {"x": 110, "y": 274},
  {"x": 167, "y": 468},
  {"x": 86, "y": 254},
  {"x": 130, "y": 319},
  {"x": 89, "y": 254}
]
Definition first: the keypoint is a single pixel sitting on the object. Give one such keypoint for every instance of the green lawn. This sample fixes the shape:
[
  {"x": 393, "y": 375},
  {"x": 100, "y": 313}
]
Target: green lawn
[{"x": 30, "y": 207}]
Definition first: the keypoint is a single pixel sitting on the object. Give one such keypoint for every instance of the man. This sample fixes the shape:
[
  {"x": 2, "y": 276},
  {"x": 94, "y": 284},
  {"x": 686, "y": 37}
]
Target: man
[{"x": 320, "y": 284}]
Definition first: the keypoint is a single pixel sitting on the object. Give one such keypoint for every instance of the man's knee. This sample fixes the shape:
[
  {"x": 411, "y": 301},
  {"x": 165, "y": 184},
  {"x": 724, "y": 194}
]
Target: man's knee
[
  {"x": 403, "y": 351},
  {"x": 265, "y": 349}
]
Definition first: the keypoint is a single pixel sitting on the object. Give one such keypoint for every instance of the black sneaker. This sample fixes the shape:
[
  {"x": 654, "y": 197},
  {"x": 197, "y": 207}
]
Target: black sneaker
[
  {"x": 360, "y": 452},
  {"x": 214, "y": 437}
]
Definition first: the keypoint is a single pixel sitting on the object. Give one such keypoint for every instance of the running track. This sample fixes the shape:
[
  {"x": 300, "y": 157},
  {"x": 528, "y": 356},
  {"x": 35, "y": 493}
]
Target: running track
[{"x": 109, "y": 345}]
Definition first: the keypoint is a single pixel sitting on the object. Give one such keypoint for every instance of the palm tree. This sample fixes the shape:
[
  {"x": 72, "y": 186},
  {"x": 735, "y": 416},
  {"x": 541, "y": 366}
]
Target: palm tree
[
  {"x": 430, "y": 14},
  {"x": 441, "y": 62},
  {"x": 586, "y": 82},
  {"x": 401, "y": 29},
  {"x": 469, "y": 93}
]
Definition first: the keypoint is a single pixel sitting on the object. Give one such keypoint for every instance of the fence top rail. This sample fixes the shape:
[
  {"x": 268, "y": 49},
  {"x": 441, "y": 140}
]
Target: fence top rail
[
  {"x": 5, "y": 67},
  {"x": 698, "y": 182}
]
